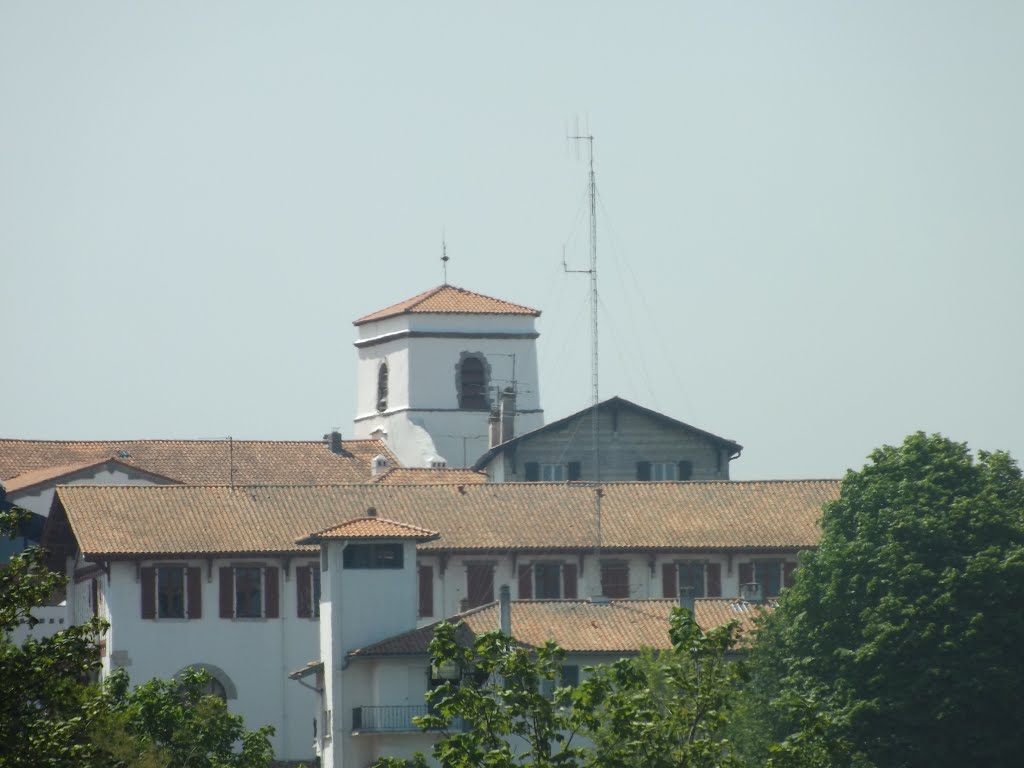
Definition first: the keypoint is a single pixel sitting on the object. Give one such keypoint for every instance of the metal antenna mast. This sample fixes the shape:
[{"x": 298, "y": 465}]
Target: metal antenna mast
[{"x": 595, "y": 396}]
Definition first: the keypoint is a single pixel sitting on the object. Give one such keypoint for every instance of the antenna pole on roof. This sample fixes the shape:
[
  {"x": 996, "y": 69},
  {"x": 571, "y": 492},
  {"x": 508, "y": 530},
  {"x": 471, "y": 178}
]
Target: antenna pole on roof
[
  {"x": 595, "y": 396},
  {"x": 231, "y": 461}
]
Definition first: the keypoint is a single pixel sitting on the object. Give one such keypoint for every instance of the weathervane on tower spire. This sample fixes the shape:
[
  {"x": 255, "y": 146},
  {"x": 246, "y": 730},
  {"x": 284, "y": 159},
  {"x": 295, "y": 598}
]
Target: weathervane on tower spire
[{"x": 444, "y": 256}]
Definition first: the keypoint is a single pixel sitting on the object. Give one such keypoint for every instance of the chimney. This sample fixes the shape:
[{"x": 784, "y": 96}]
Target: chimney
[
  {"x": 379, "y": 465},
  {"x": 750, "y": 593},
  {"x": 508, "y": 414},
  {"x": 493, "y": 428},
  {"x": 505, "y": 610},
  {"x": 686, "y": 599},
  {"x": 437, "y": 462},
  {"x": 334, "y": 441}
]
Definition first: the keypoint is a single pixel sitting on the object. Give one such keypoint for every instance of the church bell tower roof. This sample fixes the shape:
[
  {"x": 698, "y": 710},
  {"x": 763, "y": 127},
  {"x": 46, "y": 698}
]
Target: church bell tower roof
[{"x": 449, "y": 300}]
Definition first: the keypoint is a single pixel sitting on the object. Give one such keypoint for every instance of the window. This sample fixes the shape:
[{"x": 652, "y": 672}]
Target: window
[
  {"x": 615, "y": 579},
  {"x": 382, "y": 387},
  {"x": 171, "y": 592},
  {"x": 551, "y": 473},
  {"x": 554, "y": 473},
  {"x": 307, "y": 591},
  {"x": 372, "y": 556},
  {"x": 479, "y": 584},
  {"x": 249, "y": 592},
  {"x": 772, "y": 575},
  {"x": 472, "y": 383},
  {"x": 703, "y": 578},
  {"x": 547, "y": 580},
  {"x": 664, "y": 470}
]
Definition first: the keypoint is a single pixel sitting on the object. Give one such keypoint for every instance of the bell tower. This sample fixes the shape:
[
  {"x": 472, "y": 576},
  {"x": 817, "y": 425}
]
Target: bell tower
[{"x": 433, "y": 368}]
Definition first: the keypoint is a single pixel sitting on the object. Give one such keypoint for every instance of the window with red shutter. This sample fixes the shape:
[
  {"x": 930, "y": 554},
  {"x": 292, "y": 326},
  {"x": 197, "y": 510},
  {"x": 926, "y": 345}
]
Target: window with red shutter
[
  {"x": 304, "y": 591},
  {"x": 227, "y": 593},
  {"x": 147, "y": 580}
]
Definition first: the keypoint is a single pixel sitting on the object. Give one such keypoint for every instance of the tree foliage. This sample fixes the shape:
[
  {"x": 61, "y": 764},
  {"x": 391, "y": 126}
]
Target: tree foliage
[
  {"x": 663, "y": 709},
  {"x": 900, "y": 643},
  {"x": 52, "y": 716}
]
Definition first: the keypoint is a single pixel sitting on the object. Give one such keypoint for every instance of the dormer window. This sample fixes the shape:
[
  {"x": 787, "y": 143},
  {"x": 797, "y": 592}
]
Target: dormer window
[
  {"x": 382, "y": 388},
  {"x": 472, "y": 382}
]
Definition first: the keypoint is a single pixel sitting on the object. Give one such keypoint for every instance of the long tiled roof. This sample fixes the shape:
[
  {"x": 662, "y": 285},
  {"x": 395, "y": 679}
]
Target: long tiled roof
[
  {"x": 449, "y": 300},
  {"x": 580, "y": 626},
  {"x": 113, "y": 521},
  {"x": 200, "y": 461},
  {"x": 429, "y": 476}
]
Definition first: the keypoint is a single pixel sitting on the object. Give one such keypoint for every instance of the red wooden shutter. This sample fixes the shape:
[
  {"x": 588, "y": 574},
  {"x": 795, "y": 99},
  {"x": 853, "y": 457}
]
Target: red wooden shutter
[
  {"x": 574, "y": 470},
  {"x": 787, "y": 574},
  {"x": 304, "y": 591},
  {"x": 525, "y": 582},
  {"x": 713, "y": 574},
  {"x": 569, "y": 581},
  {"x": 227, "y": 593},
  {"x": 94, "y": 597},
  {"x": 147, "y": 577},
  {"x": 194, "y": 586},
  {"x": 272, "y": 589},
  {"x": 643, "y": 470},
  {"x": 669, "y": 580},
  {"x": 532, "y": 469},
  {"x": 426, "y": 590},
  {"x": 746, "y": 573}
]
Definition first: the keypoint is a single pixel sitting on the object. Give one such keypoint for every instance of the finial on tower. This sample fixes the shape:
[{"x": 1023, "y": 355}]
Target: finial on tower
[{"x": 444, "y": 256}]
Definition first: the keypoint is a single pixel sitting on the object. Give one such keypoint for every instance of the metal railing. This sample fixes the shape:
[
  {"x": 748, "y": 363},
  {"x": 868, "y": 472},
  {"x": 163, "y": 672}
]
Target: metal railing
[{"x": 392, "y": 719}]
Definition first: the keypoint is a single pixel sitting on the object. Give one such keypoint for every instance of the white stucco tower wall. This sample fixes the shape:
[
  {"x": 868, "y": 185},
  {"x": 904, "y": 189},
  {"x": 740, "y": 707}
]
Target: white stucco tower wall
[{"x": 437, "y": 348}]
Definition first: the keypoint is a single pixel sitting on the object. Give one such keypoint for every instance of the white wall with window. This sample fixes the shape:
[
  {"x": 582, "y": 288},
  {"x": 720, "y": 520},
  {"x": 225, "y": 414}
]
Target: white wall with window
[{"x": 248, "y": 621}]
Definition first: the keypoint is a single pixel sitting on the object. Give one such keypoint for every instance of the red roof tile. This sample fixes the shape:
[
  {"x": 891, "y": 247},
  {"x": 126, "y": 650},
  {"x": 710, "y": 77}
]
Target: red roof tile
[{"x": 448, "y": 300}]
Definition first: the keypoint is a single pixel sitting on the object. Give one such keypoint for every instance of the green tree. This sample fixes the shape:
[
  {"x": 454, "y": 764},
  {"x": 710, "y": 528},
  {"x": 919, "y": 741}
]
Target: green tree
[
  {"x": 900, "y": 643},
  {"x": 656, "y": 710},
  {"x": 663, "y": 709},
  {"x": 495, "y": 713},
  {"x": 43, "y": 699}
]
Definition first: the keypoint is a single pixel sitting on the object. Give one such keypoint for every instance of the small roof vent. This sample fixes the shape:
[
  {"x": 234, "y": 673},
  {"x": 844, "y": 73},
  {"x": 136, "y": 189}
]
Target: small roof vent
[
  {"x": 371, "y": 511},
  {"x": 437, "y": 462}
]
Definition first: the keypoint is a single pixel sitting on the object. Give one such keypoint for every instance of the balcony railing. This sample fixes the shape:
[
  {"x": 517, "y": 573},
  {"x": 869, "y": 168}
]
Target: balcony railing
[{"x": 394, "y": 719}]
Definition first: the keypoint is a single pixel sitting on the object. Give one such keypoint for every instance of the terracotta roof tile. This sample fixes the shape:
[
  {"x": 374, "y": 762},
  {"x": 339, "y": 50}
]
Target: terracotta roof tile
[
  {"x": 429, "y": 476},
  {"x": 580, "y": 626},
  {"x": 503, "y": 517},
  {"x": 449, "y": 300},
  {"x": 199, "y": 462},
  {"x": 375, "y": 528}
]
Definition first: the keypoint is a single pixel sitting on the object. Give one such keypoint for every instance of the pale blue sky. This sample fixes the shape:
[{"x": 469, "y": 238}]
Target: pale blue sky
[{"x": 812, "y": 243}]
